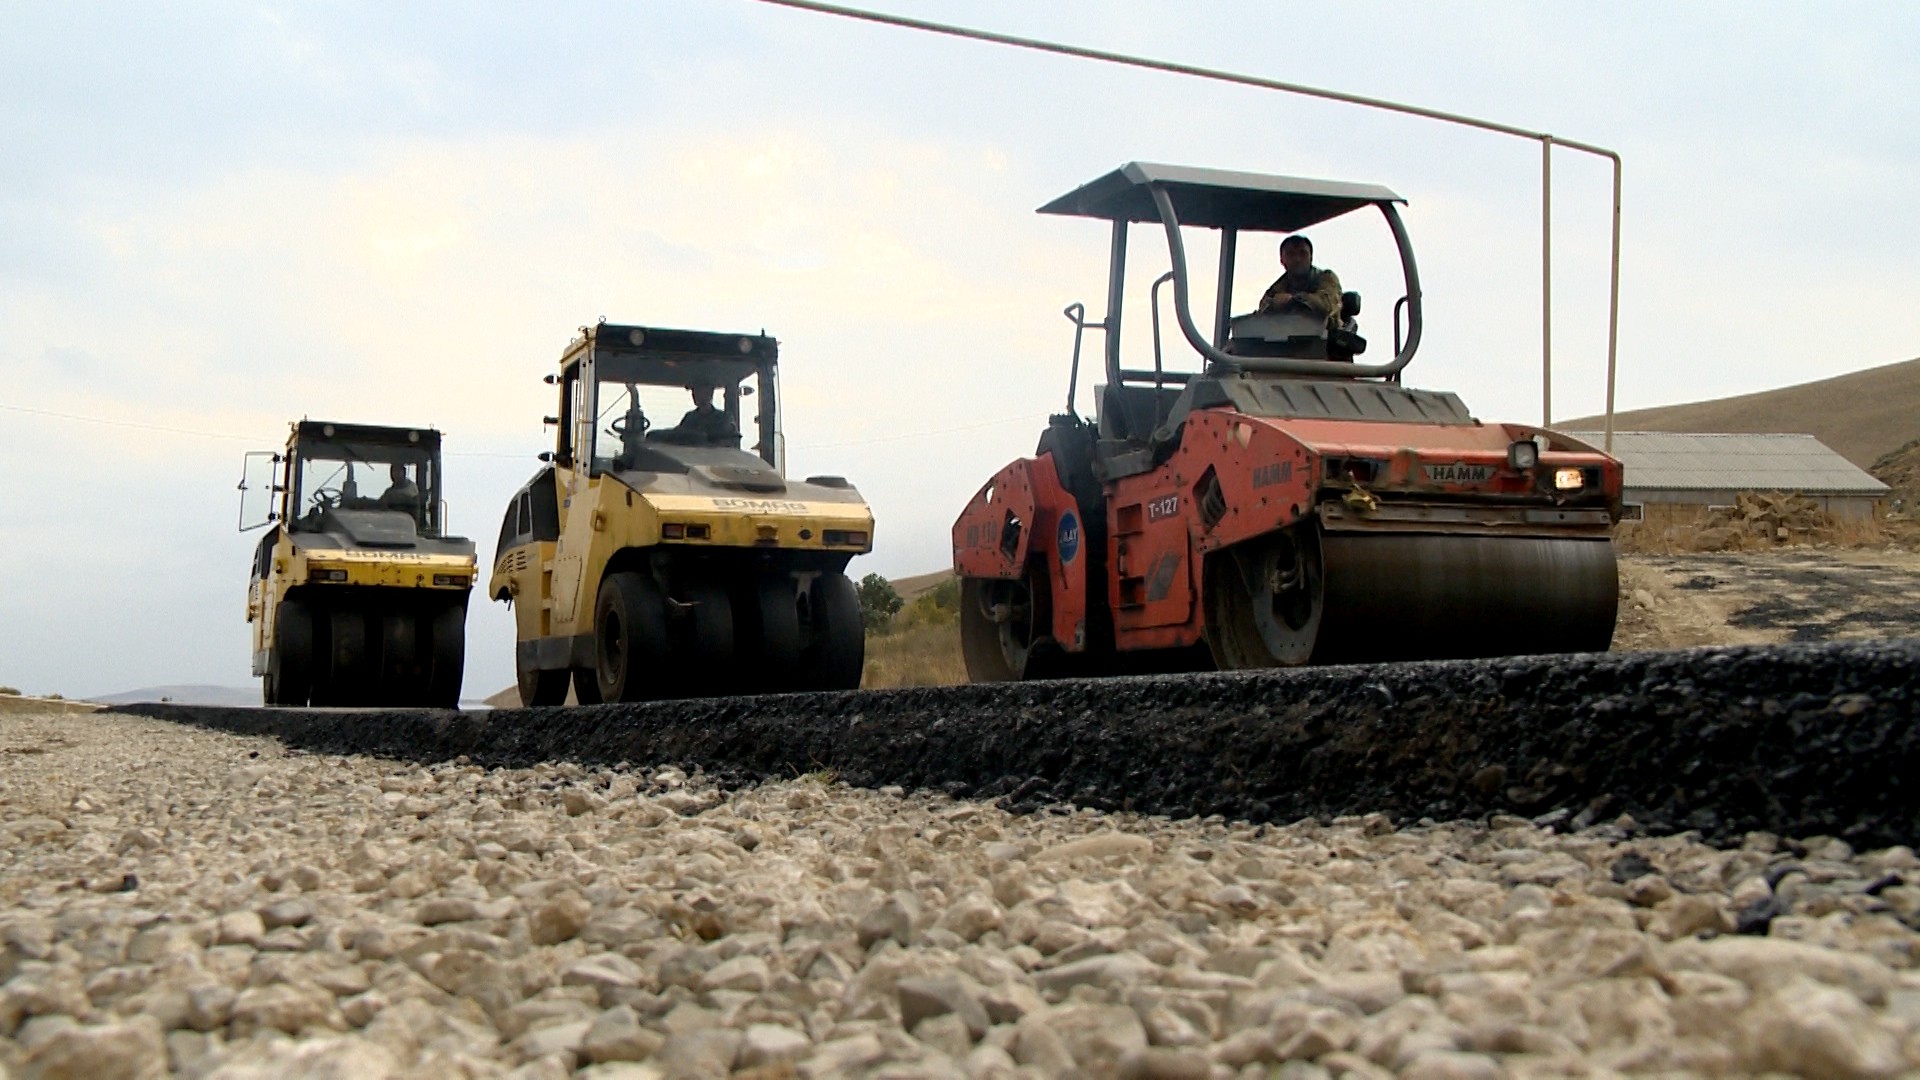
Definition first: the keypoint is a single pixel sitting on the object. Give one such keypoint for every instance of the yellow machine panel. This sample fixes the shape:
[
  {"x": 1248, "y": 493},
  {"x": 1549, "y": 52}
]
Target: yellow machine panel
[
  {"x": 650, "y": 561},
  {"x": 356, "y": 599}
]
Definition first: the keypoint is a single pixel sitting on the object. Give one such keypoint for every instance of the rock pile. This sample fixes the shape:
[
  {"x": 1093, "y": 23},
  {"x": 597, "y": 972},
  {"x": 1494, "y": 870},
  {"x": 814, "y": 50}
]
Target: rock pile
[
  {"x": 193, "y": 903},
  {"x": 1763, "y": 518}
]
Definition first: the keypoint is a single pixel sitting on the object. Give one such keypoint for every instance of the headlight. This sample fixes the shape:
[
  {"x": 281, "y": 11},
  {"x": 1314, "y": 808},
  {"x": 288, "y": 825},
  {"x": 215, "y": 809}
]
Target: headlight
[
  {"x": 450, "y": 579},
  {"x": 1569, "y": 479},
  {"x": 321, "y": 574},
  {"x": 1524, "y": 454}
]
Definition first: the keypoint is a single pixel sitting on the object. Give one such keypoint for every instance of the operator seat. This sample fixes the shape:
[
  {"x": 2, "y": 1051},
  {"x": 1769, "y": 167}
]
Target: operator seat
[{"x": 1299, "y": 334}]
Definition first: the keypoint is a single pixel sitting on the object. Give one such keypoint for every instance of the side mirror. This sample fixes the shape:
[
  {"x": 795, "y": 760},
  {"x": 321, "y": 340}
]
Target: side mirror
[
  {"x": 746, "y": 391},
  {"x": 550, "y": 421},
  {"x": 546, "y": 456},
  {"x": 550, "y": 378}
]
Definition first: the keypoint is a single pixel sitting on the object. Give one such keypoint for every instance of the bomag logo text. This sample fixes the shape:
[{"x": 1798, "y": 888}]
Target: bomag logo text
[{"x": 760, "y": 506}]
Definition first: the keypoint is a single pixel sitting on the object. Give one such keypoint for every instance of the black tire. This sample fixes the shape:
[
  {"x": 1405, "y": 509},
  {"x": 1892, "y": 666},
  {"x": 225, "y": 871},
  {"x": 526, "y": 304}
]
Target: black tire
[
  {"x": 448, "y": 634},
  {"x": 704, "y": 641},
  {"x": 767, "y": 633},
  {"x": 289, "y": 678},
  {"x": 586, "y": 686},
  {"x": 539, "y": 687},
  {"x": 349, "y": 676},
  {"x": 836, "y": 651},
  {"x": 629, "y": 638},
  {"x": 1263, "y": 601},
  {"x": 403, "y": 672}
]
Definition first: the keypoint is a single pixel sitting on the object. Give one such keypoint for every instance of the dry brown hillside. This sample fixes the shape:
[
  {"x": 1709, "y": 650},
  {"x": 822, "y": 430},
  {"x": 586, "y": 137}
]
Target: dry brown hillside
[
  {"x": 911, "y": 588},
  {"x": 1864, "y": 415},
  {"x": 1900, "y": 470}
]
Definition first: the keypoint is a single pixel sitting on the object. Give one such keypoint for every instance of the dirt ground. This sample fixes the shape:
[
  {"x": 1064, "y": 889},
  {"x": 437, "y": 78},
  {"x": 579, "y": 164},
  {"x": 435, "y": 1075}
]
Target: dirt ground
[{"x": 1747, "y": 598}]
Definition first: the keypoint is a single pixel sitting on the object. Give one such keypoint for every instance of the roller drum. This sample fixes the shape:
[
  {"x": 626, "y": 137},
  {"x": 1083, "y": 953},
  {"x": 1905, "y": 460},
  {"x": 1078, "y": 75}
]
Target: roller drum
[{"x": 1409, "y": 596}]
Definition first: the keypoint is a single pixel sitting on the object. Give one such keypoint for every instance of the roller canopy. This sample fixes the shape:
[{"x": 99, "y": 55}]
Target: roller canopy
[{"x": 1217, "y": 199}]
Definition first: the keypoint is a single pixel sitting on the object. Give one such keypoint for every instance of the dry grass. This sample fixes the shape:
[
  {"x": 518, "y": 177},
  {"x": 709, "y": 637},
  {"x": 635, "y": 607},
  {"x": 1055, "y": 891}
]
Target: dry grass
[
  {"x": 1648, "y": 538},
  {"x": 926, "y": 654}
]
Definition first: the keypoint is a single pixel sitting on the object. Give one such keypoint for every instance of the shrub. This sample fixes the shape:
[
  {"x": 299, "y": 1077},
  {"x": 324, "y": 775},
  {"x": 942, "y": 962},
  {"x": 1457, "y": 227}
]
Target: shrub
[
  {"x": 879, "y": 603},
  {"x": 938, "y": 606}
]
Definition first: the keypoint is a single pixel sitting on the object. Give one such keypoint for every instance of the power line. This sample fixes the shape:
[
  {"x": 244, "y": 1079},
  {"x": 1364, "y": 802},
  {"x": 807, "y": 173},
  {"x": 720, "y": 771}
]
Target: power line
[
  {"x": 129, "y": 424},
  {"x": 1546, "y": 140},
  {"x": 259, "y": 440},
  {"x": 1027, "y": 419}
]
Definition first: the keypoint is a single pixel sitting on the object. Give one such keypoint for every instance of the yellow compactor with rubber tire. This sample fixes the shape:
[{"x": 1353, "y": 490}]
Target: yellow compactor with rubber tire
[
  {"x": 662, "y": 552},
  {"x": 357, "y": 596}
]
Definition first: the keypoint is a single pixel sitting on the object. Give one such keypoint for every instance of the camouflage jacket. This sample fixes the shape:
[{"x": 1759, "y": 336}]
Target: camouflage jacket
[{"x": 1313, "y": 288}]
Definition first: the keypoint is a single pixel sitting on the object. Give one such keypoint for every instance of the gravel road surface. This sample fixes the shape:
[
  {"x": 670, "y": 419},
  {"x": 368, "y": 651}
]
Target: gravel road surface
[{"x": 185, "y": 901}]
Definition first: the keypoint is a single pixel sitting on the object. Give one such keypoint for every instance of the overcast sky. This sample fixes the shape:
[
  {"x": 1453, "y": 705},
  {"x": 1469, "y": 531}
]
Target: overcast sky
[{"x": 218, "y": 217}]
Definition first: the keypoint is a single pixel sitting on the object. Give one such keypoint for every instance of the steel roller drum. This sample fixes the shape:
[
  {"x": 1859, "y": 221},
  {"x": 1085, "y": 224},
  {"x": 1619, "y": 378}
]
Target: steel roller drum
[{"x": 1408, "y": 596}]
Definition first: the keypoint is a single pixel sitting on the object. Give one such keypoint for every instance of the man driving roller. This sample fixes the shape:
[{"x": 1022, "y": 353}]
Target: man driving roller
[
  {"x": 1303, "y": 286},
  {"x": 703, "y": 425}
]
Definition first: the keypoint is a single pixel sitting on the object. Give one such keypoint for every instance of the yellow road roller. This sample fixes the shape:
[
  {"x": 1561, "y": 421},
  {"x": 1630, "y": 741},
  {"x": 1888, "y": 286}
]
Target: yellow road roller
[
  {"x": 358, "y": 597},
  {"x": 662, "y": 551}
]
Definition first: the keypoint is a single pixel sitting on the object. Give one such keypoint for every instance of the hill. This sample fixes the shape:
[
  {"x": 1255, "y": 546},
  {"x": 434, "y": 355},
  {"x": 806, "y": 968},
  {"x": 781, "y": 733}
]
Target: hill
[
  {"x": 1863, "y": 416},
  {"x": 912, "y": 588},
  {"x": 185, "y": 694}
]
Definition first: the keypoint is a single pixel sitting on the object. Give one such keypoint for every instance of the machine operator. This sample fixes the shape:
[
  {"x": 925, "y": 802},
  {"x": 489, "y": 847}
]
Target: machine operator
[
  {"x": 1303, "y": 286},
  {"x": 703, "y": 425}
]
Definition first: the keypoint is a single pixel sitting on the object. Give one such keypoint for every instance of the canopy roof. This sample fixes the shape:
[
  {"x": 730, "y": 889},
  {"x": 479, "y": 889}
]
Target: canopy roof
[{"x": 1217, "y": 198}]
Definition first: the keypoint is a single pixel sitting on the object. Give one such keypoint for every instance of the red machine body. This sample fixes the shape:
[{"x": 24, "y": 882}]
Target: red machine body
[{"x": 1281, "y": 506}]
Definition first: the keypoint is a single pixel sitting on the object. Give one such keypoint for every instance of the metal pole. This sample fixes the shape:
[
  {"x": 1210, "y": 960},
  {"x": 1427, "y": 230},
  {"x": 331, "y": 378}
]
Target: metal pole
[
  {"x": 1613, "y": 312},
  {"x": 1613, "y": 304},
  {"x": 1223, "y": 300},
  {"x": 1546, "y": 281}
]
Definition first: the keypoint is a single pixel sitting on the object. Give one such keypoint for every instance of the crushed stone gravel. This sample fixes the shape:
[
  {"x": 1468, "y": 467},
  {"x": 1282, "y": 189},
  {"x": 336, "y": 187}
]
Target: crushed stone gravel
[{"x": 181, "y": 901}]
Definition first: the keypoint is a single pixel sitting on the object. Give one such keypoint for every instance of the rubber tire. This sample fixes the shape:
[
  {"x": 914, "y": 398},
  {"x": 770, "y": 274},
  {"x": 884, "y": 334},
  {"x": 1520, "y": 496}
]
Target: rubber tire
[
  {"x": 349, "y": 674},
  {"x": 630, "y": 654},
  {"x": 289, "y": 678},
  {"x": 773, "y": 655},
  {"x": 704, "y": 641},
  {"x": 403, "y": 674},
  {"x": 448, "y": 635},
  {"x": 836, "y": 652},
  {"x": 586, "y": 686},
  {"x": 538, "y": 687}
]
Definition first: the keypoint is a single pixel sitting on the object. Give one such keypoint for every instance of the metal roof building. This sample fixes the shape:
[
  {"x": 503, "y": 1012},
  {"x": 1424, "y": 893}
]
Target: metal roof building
[{"x": 1710, "y": 469}]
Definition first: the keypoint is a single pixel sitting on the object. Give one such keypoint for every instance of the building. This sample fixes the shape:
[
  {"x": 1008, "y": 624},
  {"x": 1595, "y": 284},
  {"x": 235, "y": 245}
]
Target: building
[{"x": 1673, "y": 477}]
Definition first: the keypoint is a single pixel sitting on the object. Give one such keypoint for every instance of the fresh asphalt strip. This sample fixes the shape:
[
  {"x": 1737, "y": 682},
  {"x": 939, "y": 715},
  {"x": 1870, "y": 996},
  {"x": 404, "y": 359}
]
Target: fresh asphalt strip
[{"x": 1797, "y": 740}]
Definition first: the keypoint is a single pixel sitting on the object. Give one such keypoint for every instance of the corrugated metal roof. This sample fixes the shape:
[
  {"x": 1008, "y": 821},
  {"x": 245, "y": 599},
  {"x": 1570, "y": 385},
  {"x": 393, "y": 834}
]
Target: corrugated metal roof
[{"x": 1659, "y": 460}]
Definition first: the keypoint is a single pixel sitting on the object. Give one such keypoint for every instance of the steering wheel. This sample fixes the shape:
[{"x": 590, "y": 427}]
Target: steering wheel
[
  {"x": 327, "y": 497},
  {"x": 620, "y": 426}
]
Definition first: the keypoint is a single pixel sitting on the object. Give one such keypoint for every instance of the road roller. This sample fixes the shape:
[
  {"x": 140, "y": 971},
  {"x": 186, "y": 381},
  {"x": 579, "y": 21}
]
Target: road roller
[
  {"x": 1265, "y": 496},
  {"x": 662, "y": 552},
  {"x": 358, "y": 596}
]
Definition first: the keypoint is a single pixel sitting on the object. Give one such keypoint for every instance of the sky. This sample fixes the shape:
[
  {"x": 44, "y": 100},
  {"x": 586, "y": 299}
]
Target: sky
[{"x": 219, "y": 217}]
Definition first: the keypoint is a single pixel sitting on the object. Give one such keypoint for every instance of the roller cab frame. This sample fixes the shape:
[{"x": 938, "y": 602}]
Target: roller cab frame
[
  {"x": 1269, "y": 497},
  {"x": 357, "y": 596},
  {"x": 651, "y": 558}
]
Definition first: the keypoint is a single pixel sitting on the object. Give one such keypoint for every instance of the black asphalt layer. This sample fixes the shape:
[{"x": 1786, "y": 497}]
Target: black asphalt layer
[{"x": 1799, "y": 740}]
